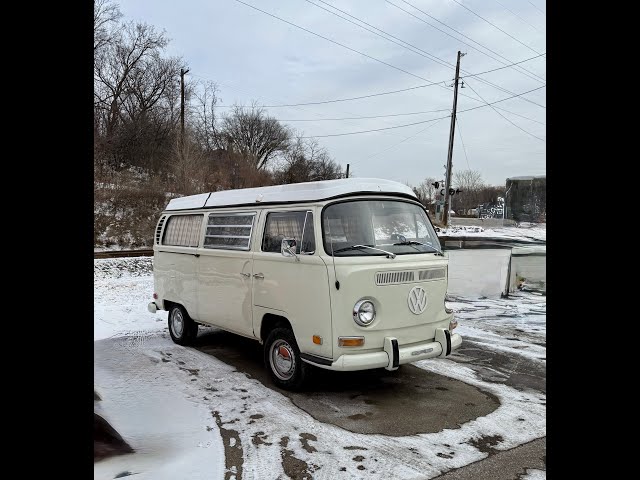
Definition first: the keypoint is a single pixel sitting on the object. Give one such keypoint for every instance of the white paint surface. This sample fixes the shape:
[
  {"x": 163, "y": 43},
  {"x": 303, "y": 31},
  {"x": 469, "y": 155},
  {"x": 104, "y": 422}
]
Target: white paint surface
[{"x": 478, "y": 272}]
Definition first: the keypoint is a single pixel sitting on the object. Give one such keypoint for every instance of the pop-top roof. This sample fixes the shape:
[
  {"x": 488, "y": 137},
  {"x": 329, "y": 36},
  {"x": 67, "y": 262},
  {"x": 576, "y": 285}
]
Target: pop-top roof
[{"x": 293, "y": 192}]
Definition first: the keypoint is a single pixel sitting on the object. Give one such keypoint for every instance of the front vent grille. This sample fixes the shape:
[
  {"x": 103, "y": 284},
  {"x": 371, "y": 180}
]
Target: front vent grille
[
  {"x": 159, "y": 229},
  {"x": 390, "y": 278},
  {"x": 432, "y": 274}
]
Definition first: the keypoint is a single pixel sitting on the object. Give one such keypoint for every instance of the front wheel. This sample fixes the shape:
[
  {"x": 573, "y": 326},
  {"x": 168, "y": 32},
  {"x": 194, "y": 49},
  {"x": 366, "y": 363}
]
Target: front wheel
[
  {"x": 182, "y": 328},
  {"x": 282, "y": 357}
]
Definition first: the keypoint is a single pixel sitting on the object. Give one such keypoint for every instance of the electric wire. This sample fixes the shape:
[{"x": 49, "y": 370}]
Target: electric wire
[
  {"x": 512, "y": 123},
  {"x": 528, "y": 73}
]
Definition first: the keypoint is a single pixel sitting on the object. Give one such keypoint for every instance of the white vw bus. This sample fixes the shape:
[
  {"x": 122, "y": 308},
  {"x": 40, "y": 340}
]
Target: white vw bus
[{"x": 341, "y": 274}]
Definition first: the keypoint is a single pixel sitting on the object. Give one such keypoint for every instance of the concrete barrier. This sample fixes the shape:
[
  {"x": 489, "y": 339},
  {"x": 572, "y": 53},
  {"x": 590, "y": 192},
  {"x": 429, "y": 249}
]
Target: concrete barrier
[
  {"x": 529, "y": 265},
  {"x": 492, "y": 272},
  {"x": 478, "y": 272}
]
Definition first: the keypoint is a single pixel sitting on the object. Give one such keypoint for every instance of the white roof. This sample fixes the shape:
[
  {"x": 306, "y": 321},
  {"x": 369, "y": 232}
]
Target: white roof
[{"x": 293, "y": 192}]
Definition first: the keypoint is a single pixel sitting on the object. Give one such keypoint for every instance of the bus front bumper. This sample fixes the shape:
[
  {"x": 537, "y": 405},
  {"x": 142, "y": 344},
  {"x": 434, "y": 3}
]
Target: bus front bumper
[{"x": 392, "y": 354}]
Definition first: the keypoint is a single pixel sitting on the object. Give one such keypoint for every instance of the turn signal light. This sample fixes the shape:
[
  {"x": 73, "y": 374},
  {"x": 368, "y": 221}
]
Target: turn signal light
[
  {"x": 350, "y": 341},
  {"x": 155, "y": 296},
  {"x": 317, "y": 339}
]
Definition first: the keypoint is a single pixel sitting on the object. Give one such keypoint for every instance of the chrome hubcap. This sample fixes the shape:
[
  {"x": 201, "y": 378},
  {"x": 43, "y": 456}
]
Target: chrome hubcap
[
  {"x": 177, "y": 323},
  {"x": 282, "y": 360}
]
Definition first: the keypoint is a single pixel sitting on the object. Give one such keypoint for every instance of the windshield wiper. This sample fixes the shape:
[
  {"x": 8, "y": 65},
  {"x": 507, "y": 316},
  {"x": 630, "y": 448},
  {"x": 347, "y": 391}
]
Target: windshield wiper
[
  {"x": 389, "y": 254},
  {"x": 413, "y": 242}
]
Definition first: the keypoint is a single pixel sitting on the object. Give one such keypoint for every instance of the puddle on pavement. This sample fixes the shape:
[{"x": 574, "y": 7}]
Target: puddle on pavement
[{"x": 405, "y": 402}]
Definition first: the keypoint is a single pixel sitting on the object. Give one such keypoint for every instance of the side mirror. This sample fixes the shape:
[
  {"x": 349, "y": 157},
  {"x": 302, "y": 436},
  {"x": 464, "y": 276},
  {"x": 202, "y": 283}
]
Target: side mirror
[{"x": 288, "y": 248}]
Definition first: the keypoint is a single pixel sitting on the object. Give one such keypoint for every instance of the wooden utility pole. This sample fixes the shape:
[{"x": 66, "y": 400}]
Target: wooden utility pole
[
  {"x": 182, "y": 74},
  {"x": 347, "y": 176},
  {"x": 447, "y": 196}
]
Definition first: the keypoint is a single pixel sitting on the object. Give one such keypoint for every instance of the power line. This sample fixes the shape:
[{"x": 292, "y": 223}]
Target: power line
[
  {"x": 361, "y": 118},
  {"x": 343, "y": 99},
  {"x": 413, "y": 47},
  {"x": 393, "y": 115},
  {"x": 376, "y": 129},
  {"x": 516, "y": 15},
  {"x": 521, "y": 116},
  {"x": 320, "y": 116},
  {"x": 429, "y": 55},
  {"x": 514, "y": 124},
  {"x": 401, "y": 141},
  {"x": 487, "y": 82},
  {"x": 536, "y": 8},
  {"x": 463, "y": 147},
  {"x": 529, "y": 73},
  {"x": 495, "y": 26},
  {"x": 506, "y": 66},
  {"x": 347, "y": 47},
  {"x": 424, "y": 121},
  {"x": 321, "y": 102},
  {"x": 501, "y": 100},
  {"x": 333, "y": 41}
]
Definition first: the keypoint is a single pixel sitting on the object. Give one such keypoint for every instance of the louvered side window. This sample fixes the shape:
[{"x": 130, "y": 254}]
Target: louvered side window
[
  {"x": 159, "y": 229},
  {"x": 229, "y": 231}
]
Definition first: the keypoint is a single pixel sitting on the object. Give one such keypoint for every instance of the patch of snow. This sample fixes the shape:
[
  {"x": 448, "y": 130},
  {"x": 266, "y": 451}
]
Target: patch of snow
[{"x": 534, "y": 474}]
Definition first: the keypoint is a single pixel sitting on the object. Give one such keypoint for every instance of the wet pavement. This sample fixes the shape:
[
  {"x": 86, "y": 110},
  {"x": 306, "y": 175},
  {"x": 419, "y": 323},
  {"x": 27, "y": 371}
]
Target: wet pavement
[{"x": 405, "y": 402}]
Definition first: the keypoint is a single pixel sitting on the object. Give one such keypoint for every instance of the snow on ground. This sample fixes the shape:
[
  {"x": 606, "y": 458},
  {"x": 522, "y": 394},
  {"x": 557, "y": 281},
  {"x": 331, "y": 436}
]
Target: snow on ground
[
  {"x": 166, "y": 429},
  {"x": 504, "y": 324},
  {"x": 525, "y": 232},
  {"x": 122, "y": 289},
  {"x": 175, "y": 405},
  {"x": 116, "y": 248}
]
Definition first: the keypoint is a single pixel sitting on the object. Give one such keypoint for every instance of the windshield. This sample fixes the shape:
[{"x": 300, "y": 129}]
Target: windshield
[{"x": 391, "y": 225}]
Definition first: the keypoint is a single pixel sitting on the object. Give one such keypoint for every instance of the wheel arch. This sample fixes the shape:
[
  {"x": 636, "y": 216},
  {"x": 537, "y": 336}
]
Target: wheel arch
[{"x": 270, "y": 321}]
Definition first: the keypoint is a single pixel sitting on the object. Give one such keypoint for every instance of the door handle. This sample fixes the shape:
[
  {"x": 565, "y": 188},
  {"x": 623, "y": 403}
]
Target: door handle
[
  {"x": 258, "y": 275},
  {"x": 245, "y": 274}
]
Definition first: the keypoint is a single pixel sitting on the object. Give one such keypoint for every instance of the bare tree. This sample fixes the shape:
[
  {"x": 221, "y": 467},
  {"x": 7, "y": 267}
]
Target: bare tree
[
  {"x": 254, "y": 135},
  {"x": 426, "y": 192},
  {"x": 306, "y": 161},
  {"x": 147, "y": 83},
  {"x": 470, "y": 183},
  {"x": 112, "y": 70},
  {"x": 186, "y": 165},
  {"x": 203, "y": 116},
  {"x": 106, "y": 14}
]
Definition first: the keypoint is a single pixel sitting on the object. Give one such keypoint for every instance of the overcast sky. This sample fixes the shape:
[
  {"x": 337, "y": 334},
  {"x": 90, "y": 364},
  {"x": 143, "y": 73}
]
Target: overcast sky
[{"x": 253, "y": 56}]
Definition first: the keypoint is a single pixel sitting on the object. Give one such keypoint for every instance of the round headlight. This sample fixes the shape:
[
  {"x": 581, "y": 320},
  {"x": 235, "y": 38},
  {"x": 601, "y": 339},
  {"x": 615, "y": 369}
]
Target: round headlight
[{"x": 364, "y": 313}]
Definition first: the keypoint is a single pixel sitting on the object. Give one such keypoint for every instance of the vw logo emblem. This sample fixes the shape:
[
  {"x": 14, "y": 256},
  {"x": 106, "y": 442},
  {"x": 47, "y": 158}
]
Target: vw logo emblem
[{"x": 417, "y": 300}]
